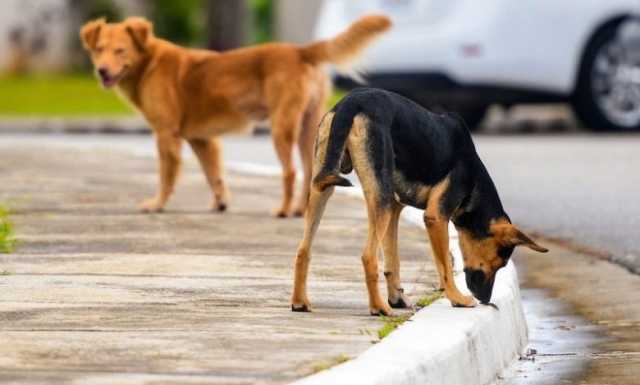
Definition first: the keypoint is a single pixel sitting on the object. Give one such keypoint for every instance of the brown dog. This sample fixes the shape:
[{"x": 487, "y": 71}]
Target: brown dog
[{"x": 198, "y": 95}]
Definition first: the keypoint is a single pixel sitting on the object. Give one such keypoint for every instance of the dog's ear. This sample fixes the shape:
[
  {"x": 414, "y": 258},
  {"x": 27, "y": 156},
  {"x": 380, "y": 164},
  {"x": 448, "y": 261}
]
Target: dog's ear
[
  {"x": 90, "y": 32},
  {"x": 508, "y": 235},
  {"x": 140, "y": 30}
]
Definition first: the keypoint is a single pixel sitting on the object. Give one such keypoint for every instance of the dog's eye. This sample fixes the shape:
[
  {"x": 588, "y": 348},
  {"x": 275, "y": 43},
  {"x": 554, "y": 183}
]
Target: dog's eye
[
  {"x": 99, "y": 49},
  {"x": 119, "y": 51}
]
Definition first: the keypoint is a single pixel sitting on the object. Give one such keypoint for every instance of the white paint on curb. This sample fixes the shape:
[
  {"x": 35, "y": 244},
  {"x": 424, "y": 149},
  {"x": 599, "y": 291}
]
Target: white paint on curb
[{"x": 439, "y": 345}]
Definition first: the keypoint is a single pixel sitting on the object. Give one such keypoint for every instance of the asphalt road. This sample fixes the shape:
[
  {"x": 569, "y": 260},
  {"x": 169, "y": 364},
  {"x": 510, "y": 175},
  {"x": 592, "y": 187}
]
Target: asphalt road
[
  {"x": 578, "y": 187},
  {"x": 583, "y": 188}
]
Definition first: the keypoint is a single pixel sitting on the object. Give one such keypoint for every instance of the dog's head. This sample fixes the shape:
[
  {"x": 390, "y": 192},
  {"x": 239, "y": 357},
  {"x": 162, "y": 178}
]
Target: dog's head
[
  {"x": 116, "y": 48},
  {"x": 483, "y": 257}
]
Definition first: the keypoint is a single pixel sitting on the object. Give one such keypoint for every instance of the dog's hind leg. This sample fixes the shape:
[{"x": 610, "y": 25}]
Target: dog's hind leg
[
  {"x": 285, "y": 127},
  {"x": 379, "y": 219},
  {"x": 209, "y": 154},
  {"x": 318, "y": 197},
  {"x": 372, "y": 162},
  {"x": 317, "y": 203},
  {"x": 395, "y": 292}
]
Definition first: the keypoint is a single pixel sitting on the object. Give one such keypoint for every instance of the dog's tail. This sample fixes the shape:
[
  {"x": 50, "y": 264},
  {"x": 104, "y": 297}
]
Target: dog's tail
[
  {"x": 336, "y": 158},
  {"x": 345, "y": 47}
]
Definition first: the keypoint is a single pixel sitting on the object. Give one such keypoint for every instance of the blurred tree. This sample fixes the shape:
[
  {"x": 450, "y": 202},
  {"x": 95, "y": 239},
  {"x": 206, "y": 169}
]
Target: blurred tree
[
  {"x": 262, "y": 15},
  {"x": 178, "y": 21},
  {"x": 228, "y": 24},
  {"x": 97, "y": 8}
]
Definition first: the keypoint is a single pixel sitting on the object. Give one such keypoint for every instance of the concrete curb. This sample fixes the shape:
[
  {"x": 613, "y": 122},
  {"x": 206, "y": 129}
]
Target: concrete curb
[
  {"x": 127, "y": 125},
  {"x": 440, "y": 344}
]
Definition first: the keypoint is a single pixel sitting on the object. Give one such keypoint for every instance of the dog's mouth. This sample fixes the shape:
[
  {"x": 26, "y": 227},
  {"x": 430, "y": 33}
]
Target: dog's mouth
[{"x": 109, "y": 80}]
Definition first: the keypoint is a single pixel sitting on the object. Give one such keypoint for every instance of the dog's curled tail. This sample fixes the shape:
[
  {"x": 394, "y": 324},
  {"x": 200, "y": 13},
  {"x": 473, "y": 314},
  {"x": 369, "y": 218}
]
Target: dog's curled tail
[
  {"x": 326, "y": 180},
  {"x": 345, "y": 47},
  {"x": 332, "y": 141}
]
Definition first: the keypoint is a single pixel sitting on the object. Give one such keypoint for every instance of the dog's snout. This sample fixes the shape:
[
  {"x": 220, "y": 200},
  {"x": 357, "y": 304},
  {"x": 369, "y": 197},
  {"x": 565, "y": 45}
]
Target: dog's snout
[
  {"x": 480, "y": 286},
  {"x": 474, "y": 278},
  {"x": 103, "y": 72}
]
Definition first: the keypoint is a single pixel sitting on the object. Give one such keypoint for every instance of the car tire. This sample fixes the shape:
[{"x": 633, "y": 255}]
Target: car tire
[{"x": 593, "y": 80}]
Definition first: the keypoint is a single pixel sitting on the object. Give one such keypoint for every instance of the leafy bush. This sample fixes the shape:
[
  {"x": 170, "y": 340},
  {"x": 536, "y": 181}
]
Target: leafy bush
[
  {"x": 179, "y": 21},
  {"x": 101, "y": 8},
  {"x": 262, "y": 17}
]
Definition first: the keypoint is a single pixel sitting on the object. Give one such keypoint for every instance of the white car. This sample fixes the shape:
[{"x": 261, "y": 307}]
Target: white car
[{"x": 467, "y": 54}]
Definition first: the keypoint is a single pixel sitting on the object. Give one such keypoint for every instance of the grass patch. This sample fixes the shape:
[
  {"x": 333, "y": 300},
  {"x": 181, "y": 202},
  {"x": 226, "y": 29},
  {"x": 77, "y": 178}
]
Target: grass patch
[
  {"x": 69, "y": 95},
  {"x": 58, "y": 96},
  {"x": 335, "y": 98},
  {"x": 428, "y": 299},
  {"x": 7, "y": 240},
  {"x": 324, "y": 365},
  {"x": 392, "y": 323}
]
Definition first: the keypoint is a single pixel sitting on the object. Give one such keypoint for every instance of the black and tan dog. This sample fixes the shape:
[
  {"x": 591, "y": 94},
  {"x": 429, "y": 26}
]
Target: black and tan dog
[{"x": 406, "y": 155}]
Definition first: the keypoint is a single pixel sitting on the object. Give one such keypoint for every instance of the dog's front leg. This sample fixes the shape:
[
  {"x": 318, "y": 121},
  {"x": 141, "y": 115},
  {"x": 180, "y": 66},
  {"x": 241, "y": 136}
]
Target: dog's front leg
[
  {"x": 169, "y": 147},
  {"x": 438, "y": 229},
  {"x": 209, "y": 153}
]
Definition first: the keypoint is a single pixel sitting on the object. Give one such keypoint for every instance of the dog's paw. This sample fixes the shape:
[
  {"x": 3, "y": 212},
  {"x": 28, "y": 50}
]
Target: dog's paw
[
  {"x": 463, "y": 301},
  {"x": 152, "y": 205},
  {"x": 301, "y": 308},
  {"x": 384, "y": 310},
  {"x": 219, "y": 206},
  {"x": 400, "y": 302},
  {"x": 298, "y": 212},
  {"x": 281, "y": 213}
]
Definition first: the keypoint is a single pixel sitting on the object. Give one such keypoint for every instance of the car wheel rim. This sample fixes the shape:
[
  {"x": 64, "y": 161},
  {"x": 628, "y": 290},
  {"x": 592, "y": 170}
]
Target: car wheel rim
[{"x": 615, "y": 81}]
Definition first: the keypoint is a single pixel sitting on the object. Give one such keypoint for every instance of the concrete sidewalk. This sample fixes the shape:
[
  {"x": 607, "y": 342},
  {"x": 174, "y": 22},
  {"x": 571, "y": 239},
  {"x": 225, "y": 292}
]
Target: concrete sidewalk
[{"x": 99, "y": 294}]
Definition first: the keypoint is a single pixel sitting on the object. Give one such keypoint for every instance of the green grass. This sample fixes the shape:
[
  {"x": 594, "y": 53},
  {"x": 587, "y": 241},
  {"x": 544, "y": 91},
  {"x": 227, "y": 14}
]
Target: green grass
[
  {"x": 57, "y": 96},
  {"x": 335, "y": 98},
  {"x": 65, "y": 95},
  {"x": 429, "y": 298},
  {"x": 7, "y": 240},
  {"x": 324, "y": 365},
  {"x": 392, "y": 323}
]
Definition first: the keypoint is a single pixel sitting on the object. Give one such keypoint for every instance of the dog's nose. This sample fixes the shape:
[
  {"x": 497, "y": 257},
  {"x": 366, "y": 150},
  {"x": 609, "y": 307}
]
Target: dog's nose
[{"x": 103, "y": 72}]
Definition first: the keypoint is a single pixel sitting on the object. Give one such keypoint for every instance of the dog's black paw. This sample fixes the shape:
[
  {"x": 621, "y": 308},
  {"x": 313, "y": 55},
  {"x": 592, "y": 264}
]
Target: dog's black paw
[
  {"x": 399, "y": 304},
  {"x": 300, "y": 308}
]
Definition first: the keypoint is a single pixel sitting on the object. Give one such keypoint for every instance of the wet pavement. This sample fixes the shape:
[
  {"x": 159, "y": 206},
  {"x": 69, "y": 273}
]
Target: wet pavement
[{"x": 584, "y": 325}]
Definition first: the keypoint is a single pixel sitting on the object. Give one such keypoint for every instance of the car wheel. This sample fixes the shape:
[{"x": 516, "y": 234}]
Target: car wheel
[{"x": 607, "y": 96}]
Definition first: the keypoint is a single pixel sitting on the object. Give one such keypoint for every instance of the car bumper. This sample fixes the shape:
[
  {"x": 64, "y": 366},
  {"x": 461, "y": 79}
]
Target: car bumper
[{"x": 439, "y": 88}]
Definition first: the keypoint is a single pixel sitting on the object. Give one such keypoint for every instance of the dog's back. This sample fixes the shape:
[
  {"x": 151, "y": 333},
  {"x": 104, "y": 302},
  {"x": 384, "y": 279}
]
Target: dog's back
[{"x": 423, "y": 146}]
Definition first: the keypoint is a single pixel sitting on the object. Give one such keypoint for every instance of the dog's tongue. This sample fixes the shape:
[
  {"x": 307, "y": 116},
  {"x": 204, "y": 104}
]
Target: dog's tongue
[{"x": 108, "y": 82}]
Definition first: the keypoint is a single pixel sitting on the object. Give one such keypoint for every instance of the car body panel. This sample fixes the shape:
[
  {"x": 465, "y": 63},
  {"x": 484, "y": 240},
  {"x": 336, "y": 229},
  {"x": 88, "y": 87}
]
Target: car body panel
[{"x": 535, "y": 45}]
